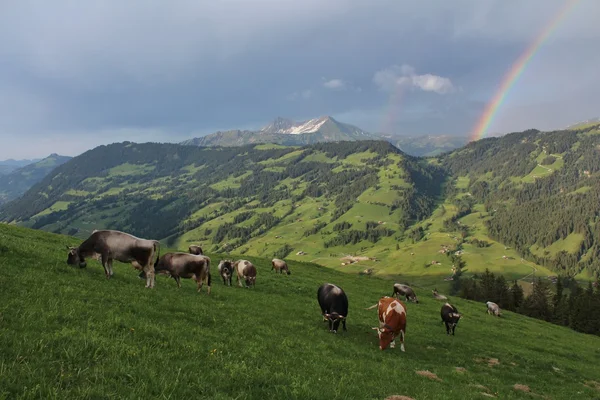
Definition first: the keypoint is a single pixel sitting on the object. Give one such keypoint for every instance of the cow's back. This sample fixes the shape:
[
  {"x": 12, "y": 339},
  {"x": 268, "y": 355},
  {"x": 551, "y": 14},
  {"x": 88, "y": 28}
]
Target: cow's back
[{"x": 392, "y": 312}]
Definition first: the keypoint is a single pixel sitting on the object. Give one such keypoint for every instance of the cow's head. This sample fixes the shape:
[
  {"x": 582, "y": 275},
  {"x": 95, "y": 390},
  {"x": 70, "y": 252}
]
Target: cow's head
[
  {"x": 415, "y": 299},
  {"x": 334, "y": 319},
  {"x": 73, "y": 258},
  {"x": 288, "y": 271},
  {"x": 454, "y": 318},
  {"x": 250, "y": 281},
  {"x": 386, "y": 335}
]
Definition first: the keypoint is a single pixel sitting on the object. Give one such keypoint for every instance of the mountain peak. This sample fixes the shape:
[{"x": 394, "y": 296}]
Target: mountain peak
[{"x": 287, "y": 126}]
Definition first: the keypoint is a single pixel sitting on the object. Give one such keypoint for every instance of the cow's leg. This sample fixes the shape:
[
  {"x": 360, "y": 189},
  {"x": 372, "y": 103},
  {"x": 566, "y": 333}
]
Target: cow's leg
[
  {"x": 239, "y": 281},
  {"x": 447, "y": 328},
  {"x": 149, "y": 270},
  {"x": 199, "y": 282},
  {"x": 393, "y": 343},
  {"x": 178, "y": 280},
  {"x": 344, "y": 324},
  {"x": 110, "y": 270},
  {"x": 402, "y": 340},
  {"x": 105, "y": 264}
]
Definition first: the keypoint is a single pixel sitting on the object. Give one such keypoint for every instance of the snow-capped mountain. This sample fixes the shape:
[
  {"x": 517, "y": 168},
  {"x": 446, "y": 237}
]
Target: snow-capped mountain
[{"x": 288, "y": 132}]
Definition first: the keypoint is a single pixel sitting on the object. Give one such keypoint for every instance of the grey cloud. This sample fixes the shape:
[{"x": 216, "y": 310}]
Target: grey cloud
[{"x": 92, "y": 71}]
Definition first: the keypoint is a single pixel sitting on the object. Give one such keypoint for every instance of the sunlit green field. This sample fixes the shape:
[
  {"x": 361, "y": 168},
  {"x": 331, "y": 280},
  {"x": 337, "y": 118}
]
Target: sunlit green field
[{"x": 70, "y": 333}]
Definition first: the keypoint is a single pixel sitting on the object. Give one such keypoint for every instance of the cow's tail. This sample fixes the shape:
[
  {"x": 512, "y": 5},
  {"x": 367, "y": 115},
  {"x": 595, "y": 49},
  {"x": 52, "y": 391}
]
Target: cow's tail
[
  {"x": 372, "y": 307},
  {"x": 156, "y": 250}
]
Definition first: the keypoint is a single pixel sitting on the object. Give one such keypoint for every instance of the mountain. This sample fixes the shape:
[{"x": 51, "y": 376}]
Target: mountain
[
  {"x": 326, "y": 129},
  {"x": 287, "y": 132},
  {"x": 17, "y": 182},
  {"x": 237, "y": 198},
  {"x": 523, "y": 205},
  {"x": 426, "y": 146},
  {"x": 8, "y": 166}
]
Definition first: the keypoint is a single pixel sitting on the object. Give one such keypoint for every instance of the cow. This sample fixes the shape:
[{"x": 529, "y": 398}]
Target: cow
[
  {"x": 246, "y": 271},
  {"x": 226, "y": 271},
  {"x": 492, "y": 308},
  {"x": 450, "y": 317},
  {"x": 194, "y": 249},
  {"x": 334, "y": 305},
  {"x": 279, "y": 266},
  {"x": 405, "y": 290},
  {"x": 109, "y": 245},
  {"x": 392, "y": 322},
  {"x": 438, "y": 296},
  {"x": 184, "y": 265}
]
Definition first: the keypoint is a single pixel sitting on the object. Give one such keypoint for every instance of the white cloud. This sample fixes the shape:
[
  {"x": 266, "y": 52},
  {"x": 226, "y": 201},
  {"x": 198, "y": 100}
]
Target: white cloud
[
  {"x": 335, "y": 84},
  {"x": 394, "y": 77}
]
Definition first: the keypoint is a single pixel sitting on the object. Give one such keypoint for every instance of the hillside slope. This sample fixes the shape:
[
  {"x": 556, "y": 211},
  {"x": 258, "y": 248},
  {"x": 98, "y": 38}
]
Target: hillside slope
[
  {"x": 537, "y": 192},
  {"x": 73, "y": 334},
  {"x": 17, "y": 182},
  {"x": 229, "y": 196}
]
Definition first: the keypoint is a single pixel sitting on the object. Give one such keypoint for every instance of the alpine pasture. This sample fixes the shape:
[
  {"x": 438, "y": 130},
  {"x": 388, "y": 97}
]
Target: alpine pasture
[{"x": 70, "y": 333}]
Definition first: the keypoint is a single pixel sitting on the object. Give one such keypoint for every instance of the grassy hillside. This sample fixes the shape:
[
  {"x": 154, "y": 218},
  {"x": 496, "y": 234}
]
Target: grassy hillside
[
  {"x": 18, "y": 181},
  {"x": 522, "y": 205},
  {"x": 70, "y": 333}
]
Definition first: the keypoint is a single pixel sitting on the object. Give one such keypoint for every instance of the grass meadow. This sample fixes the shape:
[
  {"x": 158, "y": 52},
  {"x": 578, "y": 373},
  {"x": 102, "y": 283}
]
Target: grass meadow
[{"x": 70, "y": 333}]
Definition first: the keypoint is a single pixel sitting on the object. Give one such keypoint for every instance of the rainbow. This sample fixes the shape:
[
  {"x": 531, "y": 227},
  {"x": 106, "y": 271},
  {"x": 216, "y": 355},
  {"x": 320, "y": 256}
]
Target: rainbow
[{"x": 515, "y": 72}]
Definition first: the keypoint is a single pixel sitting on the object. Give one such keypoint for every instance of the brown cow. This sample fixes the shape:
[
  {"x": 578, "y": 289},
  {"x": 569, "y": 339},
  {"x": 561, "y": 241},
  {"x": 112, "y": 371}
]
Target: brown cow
[
  {"x": 246, "y": 271},
  {"x": 109, "y": 245},
  {"x": 392, "y": 322},
  {"x": 194, "y": 249},
  {"x": 279, "y": 266},
  {"x": 184, "y": 265}
]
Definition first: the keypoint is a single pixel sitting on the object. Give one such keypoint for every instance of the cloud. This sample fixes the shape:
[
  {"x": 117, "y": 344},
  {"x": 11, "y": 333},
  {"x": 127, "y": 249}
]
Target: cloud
[
  {"x": 394, "y": 77},
  {"x": 74, "y": 71},
  {"x": 335, "y": 84}
]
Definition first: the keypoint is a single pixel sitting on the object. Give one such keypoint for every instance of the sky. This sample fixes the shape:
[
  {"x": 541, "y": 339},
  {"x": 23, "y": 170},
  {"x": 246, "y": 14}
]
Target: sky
[{"x": 78, "y": 74}]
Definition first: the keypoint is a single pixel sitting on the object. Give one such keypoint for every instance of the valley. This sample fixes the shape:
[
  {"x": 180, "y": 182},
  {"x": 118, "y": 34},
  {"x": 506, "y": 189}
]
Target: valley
[{"x": 398, "y": 215}]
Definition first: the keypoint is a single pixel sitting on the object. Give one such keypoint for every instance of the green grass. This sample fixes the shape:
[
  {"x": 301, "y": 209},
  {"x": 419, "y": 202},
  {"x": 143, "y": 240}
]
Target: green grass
[
  {"x": 69, "y": 333},
  {"x": 127, "y": 169},
  {"x": 58, "y": 206}
]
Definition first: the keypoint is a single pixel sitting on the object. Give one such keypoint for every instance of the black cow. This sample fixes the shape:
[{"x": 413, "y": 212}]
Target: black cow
[
  {"x": 450, "y": 316},
  {"x": 226, "y": 271},
  {"x": 334, "y": 305}
]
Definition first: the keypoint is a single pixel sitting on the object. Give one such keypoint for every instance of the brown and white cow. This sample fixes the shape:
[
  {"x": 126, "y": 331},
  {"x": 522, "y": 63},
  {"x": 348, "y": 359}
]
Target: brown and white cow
[
  {"x": 109, "y": 245},
  {"x": 279, "y": 266},
  {"x": 392, "y": 322},
  {"x": 184, "y": 265},
  {"x": 245, "y": 271},
  {"x": 195, "y": 249}
]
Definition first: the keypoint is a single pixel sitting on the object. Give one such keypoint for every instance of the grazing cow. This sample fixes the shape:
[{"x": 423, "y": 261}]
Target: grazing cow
[
  {"x": 450, "y": 317},
  {"x": 492, "y": 308},
  {"x": 246, "y": 271},
  {"x": 334, "y": 305},
  {"x": 197, "y": 250},
  {"x": 184, "y": 265},
  {"x": 109, "y": 245},
  {"x": 279, "y": 266},
  {"x": 438, "y": 296},
  {"x": 392, "y": 322},
  {"x": 226, "y": 271},
  {"x": 405, "y": 290}
]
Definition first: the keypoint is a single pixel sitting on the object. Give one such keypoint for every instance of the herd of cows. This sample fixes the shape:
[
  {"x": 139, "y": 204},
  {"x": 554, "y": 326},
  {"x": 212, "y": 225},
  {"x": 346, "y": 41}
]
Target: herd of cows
[{"x": 144, "y": 255}]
